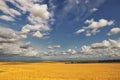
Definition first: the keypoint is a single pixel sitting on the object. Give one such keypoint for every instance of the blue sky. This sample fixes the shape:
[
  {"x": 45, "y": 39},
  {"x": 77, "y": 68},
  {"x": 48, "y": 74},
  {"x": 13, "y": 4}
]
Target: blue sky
[{"x": 59, "y": 29}]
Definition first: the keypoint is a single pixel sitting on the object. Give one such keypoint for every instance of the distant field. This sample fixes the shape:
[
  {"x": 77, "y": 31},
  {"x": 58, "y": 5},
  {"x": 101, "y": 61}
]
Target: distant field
[{"x": 59, "y": 71}]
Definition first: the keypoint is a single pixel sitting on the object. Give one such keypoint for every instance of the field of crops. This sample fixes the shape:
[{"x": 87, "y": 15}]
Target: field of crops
[{"x": 59, "y": 71}]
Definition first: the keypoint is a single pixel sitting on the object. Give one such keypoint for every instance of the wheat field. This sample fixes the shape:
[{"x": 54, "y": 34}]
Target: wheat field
[{"x": 59, "y": 71}]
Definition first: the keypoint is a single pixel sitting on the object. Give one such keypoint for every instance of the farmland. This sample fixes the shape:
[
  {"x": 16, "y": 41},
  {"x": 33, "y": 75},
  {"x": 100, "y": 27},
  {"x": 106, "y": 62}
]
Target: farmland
[{"x": 59, "y": 71}]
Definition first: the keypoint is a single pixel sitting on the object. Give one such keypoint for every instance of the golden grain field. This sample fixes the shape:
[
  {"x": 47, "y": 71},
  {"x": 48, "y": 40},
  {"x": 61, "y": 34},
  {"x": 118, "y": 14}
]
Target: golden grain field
[{"x": 59, "y": 71}]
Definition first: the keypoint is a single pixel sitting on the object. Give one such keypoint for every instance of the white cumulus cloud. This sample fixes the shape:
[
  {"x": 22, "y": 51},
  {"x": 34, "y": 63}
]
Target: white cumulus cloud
[
  {"x": 93, "y": 9},
  {"x": 80, "y": 31},
  {"x": 40, "y": 11},
  {"x": 94, "y": 26},
  {"x": 114, "y": 31},
  {"x": 11, "y": 44},
  {"x": 7, "y": 10},
  {"x": 37, "y": 34},
  {"x": 6, "y": 18},
  {"x": 37, "y": 14},
  {"x": 105, "y": 48},
  {"x": 54, "y": 46}
]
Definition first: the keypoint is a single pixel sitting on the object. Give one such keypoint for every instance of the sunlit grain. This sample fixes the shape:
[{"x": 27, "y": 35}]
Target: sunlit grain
[{"x": 59, "y": 71}]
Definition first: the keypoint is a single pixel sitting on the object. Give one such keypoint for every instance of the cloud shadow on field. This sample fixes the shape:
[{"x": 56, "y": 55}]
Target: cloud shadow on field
[{"x": 1, "y": 71}]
